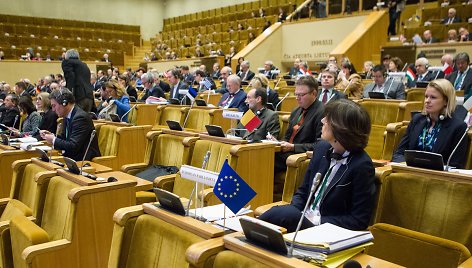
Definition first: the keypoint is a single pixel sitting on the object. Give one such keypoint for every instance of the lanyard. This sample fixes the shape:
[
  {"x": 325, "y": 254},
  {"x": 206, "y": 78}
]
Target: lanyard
[{"x": 323, "y": 186}]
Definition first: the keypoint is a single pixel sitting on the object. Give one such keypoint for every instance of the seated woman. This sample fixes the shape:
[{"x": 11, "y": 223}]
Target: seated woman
[
  {"x": 49, "y": 117},
  {"x": 119, "y": 98},
  {"x": 349, "y": 81},
  {"x": 130, "y": 90},
  {"x": 31, "y": 122},
  {"x": 345, "y": 194},
  {"x": 436, "y": 129}
]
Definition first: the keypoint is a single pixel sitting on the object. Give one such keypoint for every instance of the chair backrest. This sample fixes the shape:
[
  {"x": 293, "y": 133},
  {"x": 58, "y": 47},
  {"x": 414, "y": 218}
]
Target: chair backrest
[
  {"x": 289, "y": 104},
  {"x": 170, "y": 148},
  {"x": 108, "y": 140},
  {"x": 284, "y": 121},
  {"x": 143, "y": 114},
  {"x": 427, "y": 204},
  {"x": 7, "y": 158},
  {"x": 381, "y": 112},
  {"x": 415, "y": 94},
  {"x": 198, "y": 118},
  {"x": 172, "y": 112},
  {"x": 297, "y": 165},
  {"x": 228, "y": 258}
]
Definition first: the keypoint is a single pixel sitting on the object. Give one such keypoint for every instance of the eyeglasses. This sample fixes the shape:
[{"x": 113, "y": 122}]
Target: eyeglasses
[{"x": 300, "y": 95}]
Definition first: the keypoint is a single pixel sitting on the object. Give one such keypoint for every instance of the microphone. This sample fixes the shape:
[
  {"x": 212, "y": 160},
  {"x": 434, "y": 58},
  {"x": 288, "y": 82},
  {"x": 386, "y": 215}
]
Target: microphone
[
  {"x": 11, "y": 132},
  {"x": 277, "y": 106},
  {"x": 316, "y": 182},
  {"x": 404, "y": 66},
  {"x": 276, "y": 84},
  {"x": 455, "y": 148},
  {"x": 121, "y": 119},
  {"x": 86, "y": 150},
  {"x": 350, "y": 81},
  {"x": 204, "y": 164},
  {"x": 389, "y": 86},
  {"x": 188, "y": 113}
]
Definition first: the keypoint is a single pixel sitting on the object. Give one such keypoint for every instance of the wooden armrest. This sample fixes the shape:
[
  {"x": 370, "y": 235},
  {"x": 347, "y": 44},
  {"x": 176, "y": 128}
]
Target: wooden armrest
[
  {"x": 99, "y": 159},
  {"x": 75, "y": 194},
  {"x": 133, "y": 168},
  {"x": 393, "y": 127},
  {"x": 295, "y": 159},
  {"x": 151, "y": 134},
  {"x": 382, "y": 172},
  {"x": 260, "y": 210},
  {"x": 50, "y": 247},
  {"x": 198, "y": 253},
  {"x": 165, "y": 182},
  {"x": 122, "y": 215},
  {"x": 466, "y": 264}
]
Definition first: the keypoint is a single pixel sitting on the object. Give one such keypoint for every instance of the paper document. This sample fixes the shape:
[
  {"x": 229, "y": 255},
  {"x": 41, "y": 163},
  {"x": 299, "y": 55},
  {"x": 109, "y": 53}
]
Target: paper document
[{"x": 217, "y": 212}]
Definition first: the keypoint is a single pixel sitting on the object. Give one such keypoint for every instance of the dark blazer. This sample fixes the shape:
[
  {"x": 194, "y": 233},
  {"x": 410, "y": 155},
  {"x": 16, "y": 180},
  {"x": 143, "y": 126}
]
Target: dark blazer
[
  {"x": 131, "y": 91},
  {"x": 223, "y": 88},
  {"x": 392, "y": 89},
  {"x": 429, "y": 76},
  {"x": 454, "y": 20},
  {"x": 77, "y": 76},
  {"x": 293, "y": 71},
  {"x": 270, "y": 123},
  {"x": 164, "y": 86},
  {"x": 48, "y": 122},
  {"x": 216, "y": 75},
  {"x": 273, "y": 97},
  {"x": 78, "y": 131},
  {"x": 237, "y": 102},
  {"x": 178, "y": 96},
  {"x": 466, "y": 85},
  {"x": 449, "y": 135},
  {"x": 155, "y": 91},
  {"x": 336, "y": 95},
  {"x": 250, "y": 75},
  {"x": 309, "y": 131},
  {"x": 432, "y": 40},
  {"x": 8, "y": 117},
  {"x": 348, "y": 200}
]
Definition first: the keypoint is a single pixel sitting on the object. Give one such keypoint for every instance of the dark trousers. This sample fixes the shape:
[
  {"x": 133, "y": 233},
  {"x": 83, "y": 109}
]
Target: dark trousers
[{"x": 286, "y": 216}]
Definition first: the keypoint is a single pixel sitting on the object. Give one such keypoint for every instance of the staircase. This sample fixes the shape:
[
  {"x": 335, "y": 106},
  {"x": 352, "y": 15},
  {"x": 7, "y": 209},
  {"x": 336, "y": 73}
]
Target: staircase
[{"x": 133, "y": 61}]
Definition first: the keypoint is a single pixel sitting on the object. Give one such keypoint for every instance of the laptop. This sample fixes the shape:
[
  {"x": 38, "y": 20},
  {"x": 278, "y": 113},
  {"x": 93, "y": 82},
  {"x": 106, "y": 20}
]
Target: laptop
[
  {"x": 214, "y": 130},
  {"x": 200, "y": 102},
  {"x": 114, "y": 118},
  {"x": 43, "y": 156},
  {"x": 424, "y": 159},
  {"x": 169, "y": 201},
  {"x": 263, "y": 235},
  {"x": 174, "y": 125},
  {"x": 73, "y": 168},
  {"x": 376, "y": 95},
  {"x": 174, "y": 101}
]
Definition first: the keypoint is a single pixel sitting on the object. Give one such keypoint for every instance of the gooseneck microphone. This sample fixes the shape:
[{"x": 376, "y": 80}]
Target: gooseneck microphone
[
  {"x": 389, "y": 86},
  {"x": 188, "y": 114},
  {"x": 123, "y": 116},
  {"x": 11, "y": 132},
  {"x": 316, "y": 182},
  {"x": 455, "y": 148},
  {"x": 86, "y": 150},
  {"x": 277, "y": 106},
  {"x": 204, "y": 164}
]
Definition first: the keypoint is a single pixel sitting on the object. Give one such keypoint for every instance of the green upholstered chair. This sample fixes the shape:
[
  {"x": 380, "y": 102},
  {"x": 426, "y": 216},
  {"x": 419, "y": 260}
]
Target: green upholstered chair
[
  {"x": 145, "y": 236},
  {"x": 165, "y": 147},
  {"x": 423, "y": 220},
  {"x": 77, "y": 214},
  {"x": 120, "y": 145}
]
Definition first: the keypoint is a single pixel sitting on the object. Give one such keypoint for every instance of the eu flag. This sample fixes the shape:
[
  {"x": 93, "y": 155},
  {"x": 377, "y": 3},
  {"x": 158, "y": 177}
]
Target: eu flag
[{"x": 232, "y": 190}]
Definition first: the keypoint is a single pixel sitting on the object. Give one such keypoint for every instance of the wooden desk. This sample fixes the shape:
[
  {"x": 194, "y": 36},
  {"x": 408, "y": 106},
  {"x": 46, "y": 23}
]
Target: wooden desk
[
  {"x": 445, "y": 175},
  {"x": 97, "y": 168},
  {"x": 142, "y": 185},
  {"x": 232, "y": 242}
]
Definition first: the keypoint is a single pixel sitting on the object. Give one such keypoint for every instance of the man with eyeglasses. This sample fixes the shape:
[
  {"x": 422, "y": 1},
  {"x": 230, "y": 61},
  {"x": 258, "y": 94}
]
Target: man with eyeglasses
[
  {"x": 150, "y": 88},
  {"x": 304, "y": 124},
  {"x": 224, "y": 73},
  {"x": 235, "y": 97},
  {"x": 461, "y": 79},
  {"x": 389, "y": 87}
]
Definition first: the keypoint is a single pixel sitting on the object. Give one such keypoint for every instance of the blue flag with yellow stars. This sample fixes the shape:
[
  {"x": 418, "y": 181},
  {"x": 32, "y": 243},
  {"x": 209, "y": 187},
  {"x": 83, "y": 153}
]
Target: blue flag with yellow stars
[{"x": 232, "y": 190}]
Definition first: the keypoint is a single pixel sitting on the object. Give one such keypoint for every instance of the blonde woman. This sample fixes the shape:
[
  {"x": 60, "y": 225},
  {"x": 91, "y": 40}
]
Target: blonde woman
[
  {"x": 49, "y": 117},
  {"x": 119, "y": 97}
]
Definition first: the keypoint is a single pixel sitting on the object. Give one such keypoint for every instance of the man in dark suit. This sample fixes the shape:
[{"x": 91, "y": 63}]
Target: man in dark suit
[
  {"x": 245, "y": 74},
  {"x": 428, "y": 37},
  {"x": 327, "y": 92},
  {"x": 451, "y": 17},
  {"x": 216, "y": 71},
  {"x": 269, "y": 69},
  {"x": 422, "y": 73},
  {"x": 462, "y": 78},
  {"x": 187, "y": 77},
  {"x": 388, "y": 86},
  {"x": 176, "y": 83},
  {"x": 150, "y": 88},
  {"x": 256, "y": 100},
  {"x": 77, "y": 76},
  {"x": 77, "y": 128},
  {"x": 225, "y": 72},
  {"x": 9, "y": 111},
  {"x": 20, "y": 89},
  {"x": 296, "y": 67},
  {"x": 304, "y": 123},
  {"x": 235, "y": 97}
]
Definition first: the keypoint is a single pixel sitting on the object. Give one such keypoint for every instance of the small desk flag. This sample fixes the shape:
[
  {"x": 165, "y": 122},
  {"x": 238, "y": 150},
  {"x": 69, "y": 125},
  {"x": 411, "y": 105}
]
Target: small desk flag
[
  {"x": 410, "y": 75},
  {"x": 191, "y": 93},
  {"x": 232, "y": 190},
  {"x": 250, "y": 121}
]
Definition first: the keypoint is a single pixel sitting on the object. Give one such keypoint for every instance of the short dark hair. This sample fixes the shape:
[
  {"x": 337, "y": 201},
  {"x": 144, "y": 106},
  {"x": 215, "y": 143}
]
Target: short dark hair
[
  {"x": 26, "y": 104},
  {"x": 124, "y": 77},
  {"x": 176, "y": 73},
  {"x": 14, "y": 98},
  {"x": 259, "y": 92},
  {"x": 309, "y": 81},
  {"x": 184, "y": 67},
  {"x": 21, "y": 85},
  {"x": 200, "y": 73},
  {"x": 462, "y": 56},
  {"x": 379, "y": 68},
  {"x": 63, "y": 94},
  {"x": 349, "y": 66},
  {"x": 349, "y": 122}
]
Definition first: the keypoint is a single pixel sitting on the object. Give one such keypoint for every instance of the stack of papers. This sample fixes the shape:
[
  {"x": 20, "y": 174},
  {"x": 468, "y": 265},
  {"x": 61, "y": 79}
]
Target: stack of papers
[
  {"x": 217, "y": 212},
  {"x": 328, "y": 238}
]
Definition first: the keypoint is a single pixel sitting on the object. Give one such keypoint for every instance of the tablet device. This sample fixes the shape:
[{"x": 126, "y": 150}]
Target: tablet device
[
  {"x": 214, "y": 130},
  {"x": 114, "y": 118},
  {"x": 422, "y": 84},
  {"x": 200, "y": 102},
  {"x": 424, "y": 159},
  {"x": 43, "y": 156},
  {"x": 263, "y": 236},
  {"x": 174, "y": 101},
  {"x": 376, "y": 95},
  {"x": 174, "y": 125},
  {"x": 72, "y": 165},
  {"x": 290, "y": 82},
  {"x": 169, "y": 201}
]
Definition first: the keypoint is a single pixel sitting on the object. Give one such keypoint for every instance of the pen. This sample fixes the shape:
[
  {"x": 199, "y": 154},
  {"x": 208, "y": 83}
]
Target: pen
[{"x": 269, "y": 135}]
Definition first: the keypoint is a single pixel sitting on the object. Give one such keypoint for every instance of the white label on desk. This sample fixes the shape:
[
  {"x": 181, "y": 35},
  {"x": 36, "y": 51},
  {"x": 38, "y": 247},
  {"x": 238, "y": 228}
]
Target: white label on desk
[
  {"x": 232, "y": 114},
  {"x": 199, "y": 175}
]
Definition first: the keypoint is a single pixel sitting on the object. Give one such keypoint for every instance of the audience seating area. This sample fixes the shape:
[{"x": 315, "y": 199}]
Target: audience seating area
[{"x": 52, "y": 36}]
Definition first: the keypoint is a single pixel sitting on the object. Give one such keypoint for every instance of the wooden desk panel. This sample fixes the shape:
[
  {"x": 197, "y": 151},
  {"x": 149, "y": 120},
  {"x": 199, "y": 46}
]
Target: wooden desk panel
[
  {"x": 142, "y": 185},
  {"x": 445, "y": 175}
]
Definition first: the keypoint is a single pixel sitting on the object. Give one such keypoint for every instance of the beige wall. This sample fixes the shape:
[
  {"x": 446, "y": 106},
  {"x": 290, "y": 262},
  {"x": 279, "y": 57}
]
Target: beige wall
[{"x": 146, "y": 13}]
